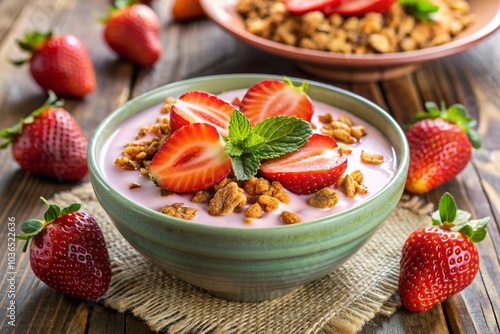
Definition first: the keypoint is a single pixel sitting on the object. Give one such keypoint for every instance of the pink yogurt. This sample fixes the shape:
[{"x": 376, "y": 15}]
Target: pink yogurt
[{"x": 375, "y": 176}]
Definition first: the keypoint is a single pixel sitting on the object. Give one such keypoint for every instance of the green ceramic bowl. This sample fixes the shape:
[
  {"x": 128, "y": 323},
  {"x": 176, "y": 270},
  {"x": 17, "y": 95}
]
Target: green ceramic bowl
[{"x": 256, "y": 263}]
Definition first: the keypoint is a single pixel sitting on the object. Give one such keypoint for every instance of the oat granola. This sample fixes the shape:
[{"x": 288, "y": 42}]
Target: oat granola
[{"x": 394, "y": 31}]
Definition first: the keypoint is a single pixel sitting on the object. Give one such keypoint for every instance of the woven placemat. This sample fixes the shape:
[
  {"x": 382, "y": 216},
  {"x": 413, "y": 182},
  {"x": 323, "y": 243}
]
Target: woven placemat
[{"x": 341, "y": 302}]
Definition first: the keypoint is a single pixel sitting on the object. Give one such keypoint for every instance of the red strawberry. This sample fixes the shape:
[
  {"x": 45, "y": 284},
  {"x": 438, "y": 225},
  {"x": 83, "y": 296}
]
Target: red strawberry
[
  {"x": 441, "y": 260},
  {"x": 302, "y": 7},
  {"x": 314, "y": 166},
  {"x": 201, "y": 107},
  {"x": 440, "y": 146},
  {"x": 59, "y": 63},
  {"x": 68, "y": 252},
  {"x": 270, "y": 98},
  {"x": 49, "y": 143},
  {"x": 191, "y": 159},
  {"x": 359, "y": 7},
  {"x": 133, "y": 32}
]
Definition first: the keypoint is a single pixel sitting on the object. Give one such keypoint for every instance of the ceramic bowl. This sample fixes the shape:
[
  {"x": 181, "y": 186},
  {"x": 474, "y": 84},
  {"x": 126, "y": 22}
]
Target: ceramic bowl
[
  {"x": 248, "y": 264},
  {"x": 359, "y": 68}
]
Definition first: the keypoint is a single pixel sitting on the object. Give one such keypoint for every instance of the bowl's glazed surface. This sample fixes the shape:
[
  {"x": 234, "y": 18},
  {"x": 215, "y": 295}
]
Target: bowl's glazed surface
[{"x": 248, "y": 264}]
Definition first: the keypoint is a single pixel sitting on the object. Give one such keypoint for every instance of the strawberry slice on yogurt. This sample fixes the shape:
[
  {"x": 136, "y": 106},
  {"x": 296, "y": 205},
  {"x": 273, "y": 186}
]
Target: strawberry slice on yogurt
[
  {"x": 201, "y": 107},
  {"x": 191, "y": 159},
  {"x": 314, "y": 166}
]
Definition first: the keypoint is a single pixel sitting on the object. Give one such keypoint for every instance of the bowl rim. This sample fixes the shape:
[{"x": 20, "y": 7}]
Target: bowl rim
[
  {"x": 97, "y": 175},
  {"x": 366, "y": 60}
]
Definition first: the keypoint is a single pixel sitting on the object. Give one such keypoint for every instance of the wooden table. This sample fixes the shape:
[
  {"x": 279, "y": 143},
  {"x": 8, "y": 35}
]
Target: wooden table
[{"x": 201, "y": 48}]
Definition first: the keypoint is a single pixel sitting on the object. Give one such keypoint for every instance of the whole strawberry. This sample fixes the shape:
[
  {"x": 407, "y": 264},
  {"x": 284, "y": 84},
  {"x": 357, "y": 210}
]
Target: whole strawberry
[
  {"x": 49, "y": 143},
  {"x": 68, "y": 252},
  {"x": 441, "y": 260},
  {"x": 441, "y": 143},
  {"x": 59, "y": 63},
  {"x": 133, "y": 32}
]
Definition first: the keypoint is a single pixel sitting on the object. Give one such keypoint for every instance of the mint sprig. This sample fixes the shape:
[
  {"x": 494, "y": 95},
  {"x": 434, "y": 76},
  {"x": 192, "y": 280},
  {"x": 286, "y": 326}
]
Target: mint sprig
[
  {"x": 271, "y": 138},
  {"x": 421, "y": 9},
  {"x": 448, "y": 216}
]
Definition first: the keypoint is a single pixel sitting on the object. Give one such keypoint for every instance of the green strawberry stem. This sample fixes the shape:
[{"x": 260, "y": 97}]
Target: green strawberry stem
[
  {"x": 450, "y": 218},
  {"x": 10, "y": 133},
  {"x": 302, "y": 88},
  {"x": 455, "y": 114},
  {"x": 31, "y": 43},
  {"x": 32, "y": 227}
]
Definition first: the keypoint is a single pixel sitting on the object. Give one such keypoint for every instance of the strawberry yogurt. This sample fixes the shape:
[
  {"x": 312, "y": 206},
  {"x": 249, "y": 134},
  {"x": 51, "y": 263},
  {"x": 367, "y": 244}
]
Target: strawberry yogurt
[{"x": 375, "y": 176}]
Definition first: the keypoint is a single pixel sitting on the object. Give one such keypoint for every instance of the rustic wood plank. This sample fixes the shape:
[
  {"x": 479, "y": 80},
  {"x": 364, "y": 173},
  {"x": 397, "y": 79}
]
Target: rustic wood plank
[{"x": 9, "y": 11}]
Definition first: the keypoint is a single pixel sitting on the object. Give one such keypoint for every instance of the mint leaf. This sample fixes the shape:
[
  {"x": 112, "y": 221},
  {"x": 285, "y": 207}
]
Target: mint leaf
[
  {"x": 233, "y": 150},
  {"x": 283, "y": 135},
  {"x": 421, "y": 9},
  {"x": 269, "y": 139},
  {"x": 245, "y": 166},
  {"x": 253, "y": 141},
  {"x": 239, "y": 127}
]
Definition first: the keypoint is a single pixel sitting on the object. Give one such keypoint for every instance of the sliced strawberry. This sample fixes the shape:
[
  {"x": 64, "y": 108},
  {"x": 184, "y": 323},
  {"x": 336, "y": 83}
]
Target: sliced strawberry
[
  {"x": 301, "y": 7},
  {"x": 314, "y": 166},
  {"x": 191, "y": 159},
  {"x": 359, "y": 7},
  {"x": 270, "y": 98},
  {"x": 201, "y": 107}
]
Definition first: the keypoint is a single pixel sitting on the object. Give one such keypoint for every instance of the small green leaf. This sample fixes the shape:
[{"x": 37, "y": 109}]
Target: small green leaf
[
  {"x": 71, "y": 208},
  {"x": 52, "y": 213},
  {"x": 239, "y": 127},
  {"x": 245, "y": 166},
  {"x": 233, "y": 150},
  {"x": 283, "y": 135},
  {"x": 32, "y": 226},
  {"x": 253, "y": 141},
  {"x": 474, "y": 138},
  {"x": 421, "y": 9},
  {"x": 447, "y": 208},
  {"x": 462, "y": 217}
]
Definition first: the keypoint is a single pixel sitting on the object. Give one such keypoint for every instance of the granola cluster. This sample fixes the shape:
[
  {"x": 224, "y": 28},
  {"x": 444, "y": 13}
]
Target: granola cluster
[
  {"x": 394, "y": 31},
  {"x": 138, "y": 156}
]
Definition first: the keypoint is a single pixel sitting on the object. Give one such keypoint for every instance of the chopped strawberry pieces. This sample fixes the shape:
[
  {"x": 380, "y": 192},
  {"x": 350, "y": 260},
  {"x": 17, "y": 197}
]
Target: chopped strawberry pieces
[
  {"x": 191, "y": 159},
  {"x": 314, "y": 166}
]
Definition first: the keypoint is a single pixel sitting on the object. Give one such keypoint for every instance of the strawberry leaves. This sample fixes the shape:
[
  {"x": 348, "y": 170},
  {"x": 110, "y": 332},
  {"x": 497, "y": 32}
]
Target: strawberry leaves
[
  {"x": 32, "y": 227},
  {"x": 455, "y": 114},
  {"x": 10, "y": 133},
  {"x": 459, "y": 220},
  {"x": 269, "y": 139}
]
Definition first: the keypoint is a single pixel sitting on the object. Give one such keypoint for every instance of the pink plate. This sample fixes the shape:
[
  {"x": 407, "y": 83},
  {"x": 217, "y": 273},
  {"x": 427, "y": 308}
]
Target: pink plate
[{"x": 359, "y": 68}]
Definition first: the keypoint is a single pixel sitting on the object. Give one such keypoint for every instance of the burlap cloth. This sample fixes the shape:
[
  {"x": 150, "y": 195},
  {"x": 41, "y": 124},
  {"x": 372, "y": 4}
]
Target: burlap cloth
[{"x": 341, "y": 302}]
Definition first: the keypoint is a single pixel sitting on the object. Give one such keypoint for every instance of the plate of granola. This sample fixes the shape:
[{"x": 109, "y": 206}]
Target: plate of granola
[{"x": 359, "y": 40}]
